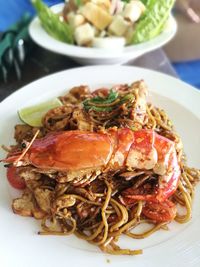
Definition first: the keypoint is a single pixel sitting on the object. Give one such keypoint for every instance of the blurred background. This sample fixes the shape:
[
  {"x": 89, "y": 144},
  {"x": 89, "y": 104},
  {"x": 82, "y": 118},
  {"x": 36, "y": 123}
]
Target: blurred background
[{"x": 183, "y": 51}]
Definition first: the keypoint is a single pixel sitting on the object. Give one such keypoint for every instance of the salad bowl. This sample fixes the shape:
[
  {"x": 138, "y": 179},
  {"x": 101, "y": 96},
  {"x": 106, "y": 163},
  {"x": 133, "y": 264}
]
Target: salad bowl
[{"x": 99, "y": 56}]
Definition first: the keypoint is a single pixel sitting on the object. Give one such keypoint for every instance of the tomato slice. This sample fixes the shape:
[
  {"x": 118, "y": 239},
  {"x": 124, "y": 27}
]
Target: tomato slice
[
  {"x": 147, "y": 192},
  {"x": 14, "y": 179},
  {"x": 160, "y": 212}
]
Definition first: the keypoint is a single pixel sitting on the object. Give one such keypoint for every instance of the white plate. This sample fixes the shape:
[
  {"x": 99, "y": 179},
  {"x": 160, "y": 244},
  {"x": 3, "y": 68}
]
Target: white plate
[
  {"x": 91, "y": 56},
  {"x": 19, "y": 243}
]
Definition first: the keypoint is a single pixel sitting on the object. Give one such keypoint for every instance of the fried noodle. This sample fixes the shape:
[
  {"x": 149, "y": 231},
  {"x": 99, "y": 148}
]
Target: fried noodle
[{"x": 92, "y": 209}]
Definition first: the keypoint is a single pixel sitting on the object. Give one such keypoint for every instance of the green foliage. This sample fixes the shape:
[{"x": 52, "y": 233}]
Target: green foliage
[
  {"x": 106, "y": 104},
  {"x": 92, "y": 104},
  {"x": 153, "y": 21},
  {"x": 52, "y": 23}
]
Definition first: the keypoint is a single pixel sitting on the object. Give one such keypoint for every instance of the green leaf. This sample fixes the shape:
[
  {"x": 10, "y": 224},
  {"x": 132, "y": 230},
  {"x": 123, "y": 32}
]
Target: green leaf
[
  {"x": 109, "y": 103},
  {"x": 145, "y": 2},
  {"x": 99, "y": 109},
  {"x": 78, "y": 3},
  {"x": 128, "y": 97},
  {"x": 153, "y": 21},
  {"x": 91, "y": 103},
  {"x": 52, "y": 23},
  {"x": 109, "y": 99}
]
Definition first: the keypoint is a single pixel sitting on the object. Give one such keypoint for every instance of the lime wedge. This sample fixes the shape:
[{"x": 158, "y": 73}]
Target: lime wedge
[{"x": 33, "y": 115}]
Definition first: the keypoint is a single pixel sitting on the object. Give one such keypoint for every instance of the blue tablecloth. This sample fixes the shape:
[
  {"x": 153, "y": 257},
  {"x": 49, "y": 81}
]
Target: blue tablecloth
[
  {"x": 189, "y": 72},
  {"x": 12, "y": 10}
]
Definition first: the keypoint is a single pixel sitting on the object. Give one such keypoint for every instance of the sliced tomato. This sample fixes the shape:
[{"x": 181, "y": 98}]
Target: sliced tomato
[
  {"x": 14, "y": 179},
  {"x": 160, "y": 212},
  {"x": 147, "y": 192}
]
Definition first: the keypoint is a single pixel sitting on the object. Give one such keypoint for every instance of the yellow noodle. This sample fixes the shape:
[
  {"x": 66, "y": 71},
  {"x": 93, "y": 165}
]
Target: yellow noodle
[
  {"x": 103, "y": 214},
  {"x": 151, "y": 117},
  {"x": 188, "y": 204},
  {"x": 147, "y": 233},
  {"x": 84, "y": 199},
  {"x": 188, "y": 184},
  {"x": 47, "y": 230},
  {"x": 114, "y": 219},
  {"x": 131, "y": 223},
  {"x": 121, "y": 251},
  {"x": 124, "y": 215},
  {"x": 93, "y": 236}
]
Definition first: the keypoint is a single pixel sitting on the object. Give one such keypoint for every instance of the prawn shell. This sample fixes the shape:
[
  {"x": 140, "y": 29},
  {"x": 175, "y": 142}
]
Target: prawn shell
[
  {"x": 71, "y": 150},
  {"x": 142, "y": 154}
]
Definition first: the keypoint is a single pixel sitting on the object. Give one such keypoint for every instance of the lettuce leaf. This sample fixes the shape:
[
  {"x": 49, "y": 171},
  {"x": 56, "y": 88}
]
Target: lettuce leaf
[
  {"x": 153, "y": 21},
  {"x": 52, "y": 23}
]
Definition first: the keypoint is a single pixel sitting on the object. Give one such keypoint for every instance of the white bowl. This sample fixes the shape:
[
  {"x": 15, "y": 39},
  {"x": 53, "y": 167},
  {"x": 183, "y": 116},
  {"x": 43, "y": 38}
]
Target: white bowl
[{"x": 91, "y": 56}]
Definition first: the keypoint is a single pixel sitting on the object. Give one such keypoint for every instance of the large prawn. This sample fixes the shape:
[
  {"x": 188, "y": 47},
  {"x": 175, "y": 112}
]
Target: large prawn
[{"x": 80, "y": 156}]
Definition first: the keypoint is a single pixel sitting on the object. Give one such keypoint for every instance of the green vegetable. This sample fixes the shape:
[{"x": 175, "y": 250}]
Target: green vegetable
[
  {"x": 99, "y": 109},
  {"x": 145, "y": 2},
  {"x": 152, "y": 23},
  {"x": 99, "y": 103},
  {"x": 52, "y": 23},
  {"x": 128, "y": 97},
  {"x": 78, "y": 2},
  {"x": 109, "y": 103},
  {"x": 109, "y": 99}
]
